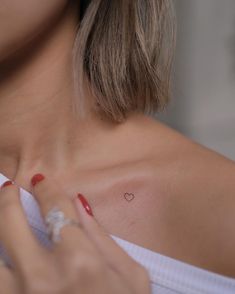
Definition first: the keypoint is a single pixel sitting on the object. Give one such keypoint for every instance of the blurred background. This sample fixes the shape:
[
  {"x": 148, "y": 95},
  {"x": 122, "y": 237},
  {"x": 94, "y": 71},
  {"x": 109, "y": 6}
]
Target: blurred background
[{"x": 203, "y": 102}]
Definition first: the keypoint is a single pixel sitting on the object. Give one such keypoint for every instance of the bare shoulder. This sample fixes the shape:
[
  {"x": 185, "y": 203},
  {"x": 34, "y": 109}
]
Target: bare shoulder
[
  {"x": 167, "y": 193},
  {"x": 195, "y": 194}
]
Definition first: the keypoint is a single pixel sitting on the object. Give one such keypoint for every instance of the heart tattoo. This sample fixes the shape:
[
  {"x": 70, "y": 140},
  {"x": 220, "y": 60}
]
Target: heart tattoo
[{"x": 129, "y": 196}]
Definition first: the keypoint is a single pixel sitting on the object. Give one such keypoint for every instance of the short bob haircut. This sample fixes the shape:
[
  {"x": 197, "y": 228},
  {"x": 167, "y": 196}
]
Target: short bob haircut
[{"x": 123, "y": 56}]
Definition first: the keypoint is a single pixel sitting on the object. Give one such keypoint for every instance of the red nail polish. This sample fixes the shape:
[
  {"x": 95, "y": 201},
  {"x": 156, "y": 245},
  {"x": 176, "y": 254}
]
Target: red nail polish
[
  {"x": 7, "y": 183},
  {"x": 85, "y": 204},
  {"x": 37, "y": 178}
]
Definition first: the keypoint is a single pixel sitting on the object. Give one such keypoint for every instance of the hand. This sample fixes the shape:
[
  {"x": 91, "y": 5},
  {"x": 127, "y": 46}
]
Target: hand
[{"x": 86, "y": 260}]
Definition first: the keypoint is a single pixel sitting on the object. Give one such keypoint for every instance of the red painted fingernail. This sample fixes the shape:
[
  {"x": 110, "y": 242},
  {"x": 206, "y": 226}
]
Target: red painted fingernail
[
  {"x": 85, "y": 204},
  {"x": 37, "y": 178},
  {"x": 7, "y": 183}
]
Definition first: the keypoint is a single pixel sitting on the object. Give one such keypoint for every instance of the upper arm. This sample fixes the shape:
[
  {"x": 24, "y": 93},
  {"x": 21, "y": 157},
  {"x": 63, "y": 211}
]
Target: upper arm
[
  {"x": 217, "y": 220},
  {"x": 226, "y": 234},
  {"x": 200, "y": 217}
]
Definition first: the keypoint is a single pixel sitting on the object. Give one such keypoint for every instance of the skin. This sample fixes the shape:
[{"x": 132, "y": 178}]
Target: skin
[
  {"x": 86, "y": 257},
  {"x": 180, "y": 188}
]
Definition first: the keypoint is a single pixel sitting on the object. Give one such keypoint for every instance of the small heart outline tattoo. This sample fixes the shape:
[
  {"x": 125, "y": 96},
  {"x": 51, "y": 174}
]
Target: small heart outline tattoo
[{"x": 129, "y": 196}]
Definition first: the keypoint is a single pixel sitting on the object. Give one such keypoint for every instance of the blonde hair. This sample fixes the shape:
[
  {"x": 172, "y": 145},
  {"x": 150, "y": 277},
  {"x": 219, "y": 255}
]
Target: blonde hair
[{"x": 123, "y": 54}]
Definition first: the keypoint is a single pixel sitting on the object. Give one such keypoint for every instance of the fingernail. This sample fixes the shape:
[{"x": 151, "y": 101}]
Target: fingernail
[
  {"x": 37, "y": 178},
  {"x": 85, "y": 204},
  {"x": 7, "y": 183}
]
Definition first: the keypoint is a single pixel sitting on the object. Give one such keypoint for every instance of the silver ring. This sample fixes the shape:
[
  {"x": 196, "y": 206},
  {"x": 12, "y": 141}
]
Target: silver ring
[{"x": 55, "y": 221}]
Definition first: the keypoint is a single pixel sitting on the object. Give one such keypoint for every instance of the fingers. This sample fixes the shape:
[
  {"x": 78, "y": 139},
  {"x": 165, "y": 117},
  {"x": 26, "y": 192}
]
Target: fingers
[
  {"x": 49, "y": 194},
  {"x": 15, "y": 233},
  {"x": 117, "y": 258}
]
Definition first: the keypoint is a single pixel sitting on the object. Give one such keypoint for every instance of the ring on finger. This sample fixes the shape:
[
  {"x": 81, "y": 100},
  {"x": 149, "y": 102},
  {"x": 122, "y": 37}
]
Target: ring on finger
[{"x": 55, "y": 220}]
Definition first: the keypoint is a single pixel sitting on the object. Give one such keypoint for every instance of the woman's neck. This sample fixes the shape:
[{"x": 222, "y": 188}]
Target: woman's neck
[{"x": 37, "y": 128}]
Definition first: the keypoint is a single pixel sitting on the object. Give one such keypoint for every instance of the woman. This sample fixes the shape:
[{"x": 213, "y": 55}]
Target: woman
[{"x": 79, "y": 81}]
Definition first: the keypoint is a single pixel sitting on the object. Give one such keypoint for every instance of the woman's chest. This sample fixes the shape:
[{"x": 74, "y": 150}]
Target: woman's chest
[
  {"x": 137, "y": 208},
  {"x": 123, "y": 204}
]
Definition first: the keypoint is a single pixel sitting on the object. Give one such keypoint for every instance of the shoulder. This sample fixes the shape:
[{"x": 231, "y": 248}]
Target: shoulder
[{"x": 195, "y": 194}]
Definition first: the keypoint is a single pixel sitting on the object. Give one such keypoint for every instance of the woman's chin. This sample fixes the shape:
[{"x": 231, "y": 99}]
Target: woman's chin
[
  {"x": 12, "y": 53},
  {"x": 8, "y": 50}
]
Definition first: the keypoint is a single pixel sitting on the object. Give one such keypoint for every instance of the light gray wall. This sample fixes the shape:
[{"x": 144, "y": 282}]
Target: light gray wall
[{"x": 203, "y": 106}]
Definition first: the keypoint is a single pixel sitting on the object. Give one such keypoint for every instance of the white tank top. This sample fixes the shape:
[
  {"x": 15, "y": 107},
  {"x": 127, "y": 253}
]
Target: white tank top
[{"x": 167, "y": 275}]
